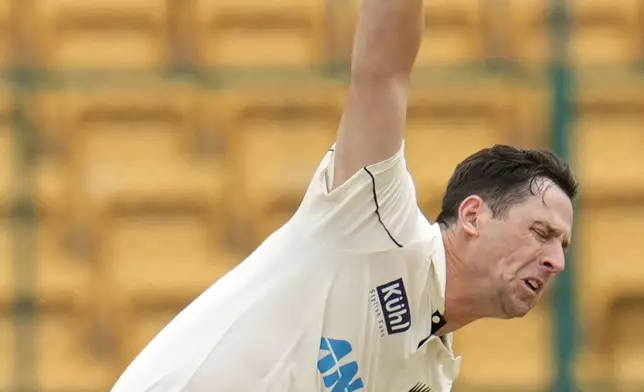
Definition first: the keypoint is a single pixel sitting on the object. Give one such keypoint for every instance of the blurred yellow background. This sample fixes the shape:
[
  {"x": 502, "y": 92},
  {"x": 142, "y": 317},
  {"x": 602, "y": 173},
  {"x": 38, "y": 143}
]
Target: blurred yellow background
[{"x": 147, "y": 146}]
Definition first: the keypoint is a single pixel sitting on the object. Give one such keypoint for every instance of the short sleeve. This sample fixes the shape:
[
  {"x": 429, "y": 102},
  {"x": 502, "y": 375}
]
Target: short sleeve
[{"x": 375, "y": 209}]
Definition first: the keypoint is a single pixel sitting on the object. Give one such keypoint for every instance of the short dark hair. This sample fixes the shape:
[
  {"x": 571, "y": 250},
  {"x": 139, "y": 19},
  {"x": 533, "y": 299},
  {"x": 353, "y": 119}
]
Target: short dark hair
[{"x": 503, "y": 176}]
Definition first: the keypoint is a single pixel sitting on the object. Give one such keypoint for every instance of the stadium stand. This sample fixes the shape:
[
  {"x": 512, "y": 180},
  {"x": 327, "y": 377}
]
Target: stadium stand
[
  {"x": 627, "y": 344},
  {"x": 282, "y": 138},
  {"x": 7, "y": 352},
  {"x": 6, "y": 145},
  {"x": 137, "y": 325},
  {"x": 72, "y": 353},
  {"x": 609, "y": 129},
  {"x": 7, "y": 275},
  {"x": 454, "y": 33},
  {"x": 605, "y": 33},
  {"x": 140, "y": 271},
  {"x": 252, "y": 33},
  {"x": 610, "y": 260},
  {"x": 525, "y": 341},
  {"x": 102, "y": 34},
  {"x": 120, "y": 168},
  {"x": 5, "y": 34},
  {"x": 528, "y": 44},
  {"x": 605, "y": 138},
  {"x": 446, "y": 125},
  {"x": 130, "y": 145}
]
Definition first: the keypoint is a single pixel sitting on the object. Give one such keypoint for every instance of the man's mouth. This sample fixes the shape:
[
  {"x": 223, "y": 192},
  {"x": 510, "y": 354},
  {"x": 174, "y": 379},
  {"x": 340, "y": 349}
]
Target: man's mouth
[{"x": 533, "y": 284}]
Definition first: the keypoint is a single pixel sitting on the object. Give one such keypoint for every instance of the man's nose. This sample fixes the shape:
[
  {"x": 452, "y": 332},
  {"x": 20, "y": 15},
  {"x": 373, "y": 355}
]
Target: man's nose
[{"x": 554, "y": 264}]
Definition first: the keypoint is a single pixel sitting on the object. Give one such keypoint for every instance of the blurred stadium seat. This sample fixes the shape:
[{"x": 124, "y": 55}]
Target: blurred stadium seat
[
  {"x": 73, "y": 354},
  {"x": 131, "y": 146},
  {"x": 454, "y": 33},
  {"x": 526, "y": 343},
  {"x": 5, "y": 34},
  {"x": 602, "y": 33},
  {"x": 627, "y": 343},
  {"x": 529, "y": 39},
  {"x": 23, "y": 166},
  {"x": 60, "y": 278},
  {"x": 7, "y": 276},
  {"x": 253, "y": 33},
  {"x": 610, "y": 258},
  {"x": 101, "y": 34},
  {"x": 606, "y": 33},
  {"x": 139, "y": 325},
  {"x": 64, "y": 277},
  {"x": 7, "y": 146},
  {"x": 282, "y": 138},
  {"x": 609, "y": 269},
  {"x": 139, "y": 176},
  {"x": 529, "y": 116},
  {"x": 7, "y": 352},
  {"x": 193, "y": 255},
  {"x": 447, "y": 125},
  {"x": 607, "y": 138}
]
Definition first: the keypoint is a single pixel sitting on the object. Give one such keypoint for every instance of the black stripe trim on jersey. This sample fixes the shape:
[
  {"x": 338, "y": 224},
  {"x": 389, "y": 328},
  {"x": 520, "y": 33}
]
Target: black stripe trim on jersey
[
  {"x": 375, "y": 199},
  {"x": 436, "y": 326},
  {"x": 423, "y": 342},
  {"x": 420, "y": 387}
]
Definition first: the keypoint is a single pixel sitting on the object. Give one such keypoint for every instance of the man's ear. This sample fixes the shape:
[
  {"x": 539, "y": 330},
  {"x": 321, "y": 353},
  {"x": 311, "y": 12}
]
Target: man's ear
[{"x": 469, "y": 213}]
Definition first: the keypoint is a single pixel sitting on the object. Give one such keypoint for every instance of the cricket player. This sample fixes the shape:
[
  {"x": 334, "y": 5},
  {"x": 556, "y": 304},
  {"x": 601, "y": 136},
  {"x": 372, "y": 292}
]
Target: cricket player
[{"x": 359, "y": 292}]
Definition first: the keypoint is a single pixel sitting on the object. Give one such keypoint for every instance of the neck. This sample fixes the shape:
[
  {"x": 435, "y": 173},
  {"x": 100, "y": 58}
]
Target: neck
[{"x": 463, "y": 300}]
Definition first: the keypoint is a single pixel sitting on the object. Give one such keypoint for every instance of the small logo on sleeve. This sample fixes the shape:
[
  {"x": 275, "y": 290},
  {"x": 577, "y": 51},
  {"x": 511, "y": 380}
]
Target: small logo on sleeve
[{"x": 392, "y": 309}]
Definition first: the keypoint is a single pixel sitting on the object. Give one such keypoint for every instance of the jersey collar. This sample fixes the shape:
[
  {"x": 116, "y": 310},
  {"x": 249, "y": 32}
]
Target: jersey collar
[
  {"x": 439, "y": 267},
  {"x": 437, "y": 286}
]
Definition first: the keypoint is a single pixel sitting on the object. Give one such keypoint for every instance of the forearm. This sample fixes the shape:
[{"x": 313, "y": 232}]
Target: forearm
[{"x": 387, "y": 39}]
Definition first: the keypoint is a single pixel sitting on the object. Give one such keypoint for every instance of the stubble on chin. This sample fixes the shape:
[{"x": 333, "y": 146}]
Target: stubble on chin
[{"x": 513, "y": 305}]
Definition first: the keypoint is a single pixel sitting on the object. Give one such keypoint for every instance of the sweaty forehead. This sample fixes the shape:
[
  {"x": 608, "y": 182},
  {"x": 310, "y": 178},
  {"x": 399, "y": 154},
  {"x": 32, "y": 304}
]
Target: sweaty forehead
[{"x": 551, "y": 205}]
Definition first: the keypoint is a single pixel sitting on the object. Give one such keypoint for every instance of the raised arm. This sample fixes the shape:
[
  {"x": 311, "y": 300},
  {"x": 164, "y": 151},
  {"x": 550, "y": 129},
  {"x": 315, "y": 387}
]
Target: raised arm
[{"x": 386, "y": 43}]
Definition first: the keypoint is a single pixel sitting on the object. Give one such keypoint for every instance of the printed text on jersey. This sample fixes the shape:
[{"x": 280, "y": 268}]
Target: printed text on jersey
[{"x": 394, "y": 307}]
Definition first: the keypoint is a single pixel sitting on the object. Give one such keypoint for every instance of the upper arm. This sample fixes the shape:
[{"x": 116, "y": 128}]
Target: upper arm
[
  {"x": 372, "y": 125},
  {"x": 386, "y": 43}
]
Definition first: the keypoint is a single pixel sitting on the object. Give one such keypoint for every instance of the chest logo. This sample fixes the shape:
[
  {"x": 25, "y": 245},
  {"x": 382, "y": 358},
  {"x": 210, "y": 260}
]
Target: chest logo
[
  {"x": 338, "y": 374},
  {"x": 392, "y": 307}
]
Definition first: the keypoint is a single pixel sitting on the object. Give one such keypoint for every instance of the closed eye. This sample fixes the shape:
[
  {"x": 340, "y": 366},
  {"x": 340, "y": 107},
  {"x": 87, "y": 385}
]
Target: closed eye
[
  {"x": 540, "y": 234},
  {"x": 565, "y": 245}
]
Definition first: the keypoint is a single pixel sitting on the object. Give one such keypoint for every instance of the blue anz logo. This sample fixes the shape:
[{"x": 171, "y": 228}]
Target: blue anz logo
[{"x": 338, "y": 377}]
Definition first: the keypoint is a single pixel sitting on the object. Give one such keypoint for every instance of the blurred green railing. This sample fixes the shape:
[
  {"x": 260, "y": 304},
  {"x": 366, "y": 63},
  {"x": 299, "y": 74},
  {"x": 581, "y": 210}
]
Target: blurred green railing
[{"x": 564, "y": 295}]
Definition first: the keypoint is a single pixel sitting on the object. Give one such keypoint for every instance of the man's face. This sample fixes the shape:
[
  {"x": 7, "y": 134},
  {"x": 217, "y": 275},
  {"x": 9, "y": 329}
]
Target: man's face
[{"x": 525, "y": 249}]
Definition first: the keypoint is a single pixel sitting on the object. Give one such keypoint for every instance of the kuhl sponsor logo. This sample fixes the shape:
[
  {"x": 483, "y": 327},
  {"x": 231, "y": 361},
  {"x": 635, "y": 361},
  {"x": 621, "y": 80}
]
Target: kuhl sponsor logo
[{"x": 395, "y": 306}]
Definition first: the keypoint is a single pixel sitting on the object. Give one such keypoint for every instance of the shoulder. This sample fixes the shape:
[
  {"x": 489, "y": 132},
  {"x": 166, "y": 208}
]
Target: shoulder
[{"x": 375, "y": 209}]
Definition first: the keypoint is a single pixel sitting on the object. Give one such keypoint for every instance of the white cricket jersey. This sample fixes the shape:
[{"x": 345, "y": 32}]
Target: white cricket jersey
[{"x": 342, "y": 298}]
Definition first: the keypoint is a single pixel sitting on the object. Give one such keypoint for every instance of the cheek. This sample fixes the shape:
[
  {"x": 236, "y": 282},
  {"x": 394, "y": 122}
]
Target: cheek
[
  {"x": 506, "y": 252},
  {"x": 522, "y": 252},
  {"x": 529, "y": 253}
]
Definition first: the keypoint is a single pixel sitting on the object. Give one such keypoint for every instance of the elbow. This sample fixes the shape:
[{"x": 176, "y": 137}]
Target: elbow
[
  {"x": 369, "y": 77},
  {"x": 376, "y": 66}
]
